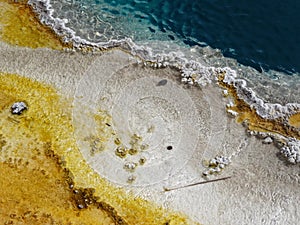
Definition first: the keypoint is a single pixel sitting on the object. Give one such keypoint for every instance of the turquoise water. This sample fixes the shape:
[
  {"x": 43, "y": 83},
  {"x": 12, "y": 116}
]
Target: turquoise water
[
  {"x": 261, "y": 34},
  {"x": 259, "y": 41}
]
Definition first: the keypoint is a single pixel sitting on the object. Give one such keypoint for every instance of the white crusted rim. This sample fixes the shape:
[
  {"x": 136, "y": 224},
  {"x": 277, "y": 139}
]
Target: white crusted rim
[{"x": 192, "y": 72}]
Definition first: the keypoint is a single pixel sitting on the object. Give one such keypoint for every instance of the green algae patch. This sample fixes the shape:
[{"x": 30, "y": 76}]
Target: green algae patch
[
  {"x": 20, "y": 26},
  {"x": 44, "y": 176}
]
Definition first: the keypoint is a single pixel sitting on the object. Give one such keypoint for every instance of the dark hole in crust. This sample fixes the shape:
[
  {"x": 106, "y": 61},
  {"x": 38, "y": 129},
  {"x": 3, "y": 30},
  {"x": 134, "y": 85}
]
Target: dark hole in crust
[
  {"x": 169, "y": 147},
  {"x": 162, "y": 82}
]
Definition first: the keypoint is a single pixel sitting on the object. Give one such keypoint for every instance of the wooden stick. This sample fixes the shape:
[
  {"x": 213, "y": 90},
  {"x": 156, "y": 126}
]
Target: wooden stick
[{"x": 190, "y": 185}]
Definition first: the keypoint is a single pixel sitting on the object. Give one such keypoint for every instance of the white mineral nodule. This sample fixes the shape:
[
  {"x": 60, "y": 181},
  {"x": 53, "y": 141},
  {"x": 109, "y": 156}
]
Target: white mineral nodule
[
  {"x": 213, "y": 162},
  {"x": 230, "y": 104},
  {"x": 291, "y": 160},
  {"x": 130, "y": 166},
  {"x": 233, "y": 113},
  {"x": 218, "y": 169},
  {"x": 222, "y": 166},
  {"x": 267, "y": 140},
  {"x": 225, "y": 92},
  {"x": 184, "y": 80},
  {"x": 18, "y": 107},
  {"x": 211, "y": 170}
]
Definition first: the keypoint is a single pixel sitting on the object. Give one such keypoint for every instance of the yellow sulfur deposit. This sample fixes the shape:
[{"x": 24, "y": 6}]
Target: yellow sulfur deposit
[
  {"x": 19, "y": 26},
  {"x": 44, "y": 178},
  {"x": 294, "y": 120},
  {"x": 254, "y": 121}
]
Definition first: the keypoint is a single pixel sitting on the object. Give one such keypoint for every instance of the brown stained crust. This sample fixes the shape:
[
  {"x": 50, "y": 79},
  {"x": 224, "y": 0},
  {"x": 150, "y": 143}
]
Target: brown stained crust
[
  {"x": 40, "y": 191},
  {"x": 37, "y": 188},
  {"x": 254, "y": 122},
  {"x": 20, "y": 26},
  {"x": 84, "y": 198}
]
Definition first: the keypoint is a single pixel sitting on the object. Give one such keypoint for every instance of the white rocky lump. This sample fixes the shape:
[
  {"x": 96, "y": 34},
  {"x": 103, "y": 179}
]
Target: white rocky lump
[
  {"x": 18, "y": 108},
  {"x": 292, "y": 151},
  {"x": 216, "y": 165},
  {"x": 267, "y": 140}
]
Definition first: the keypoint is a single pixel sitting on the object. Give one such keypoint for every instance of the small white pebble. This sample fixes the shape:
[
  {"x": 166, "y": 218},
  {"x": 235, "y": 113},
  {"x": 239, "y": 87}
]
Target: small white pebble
[
  {"x": 213, "y": 162},
  {"x": 130, "y": 166},
  {"x": 131, "y": 179},
  {"x": 217, "y": 169},
  {"x": 267, "y": 140},
  {"x": 230, "y": 104},
  {"x": 225, "y": 92},
  {"x": 80, "y": 206},
  {"x": 211, "y": 170},
  {"x": 225, "y": 161},
  {"x": 222, "y": 166},
  {"x": 184, "y": 80},
  {"x": 233, "y": 113},
  {"x": 292, "y": 160},
  {"x": 18, "y": 107}
]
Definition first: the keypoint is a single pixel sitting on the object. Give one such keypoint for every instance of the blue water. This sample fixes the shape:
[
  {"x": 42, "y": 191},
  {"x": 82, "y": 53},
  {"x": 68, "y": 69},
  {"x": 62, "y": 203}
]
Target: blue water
[
  {"x": 261, "y": 34},
  {"x": 257, "y": 33}
]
